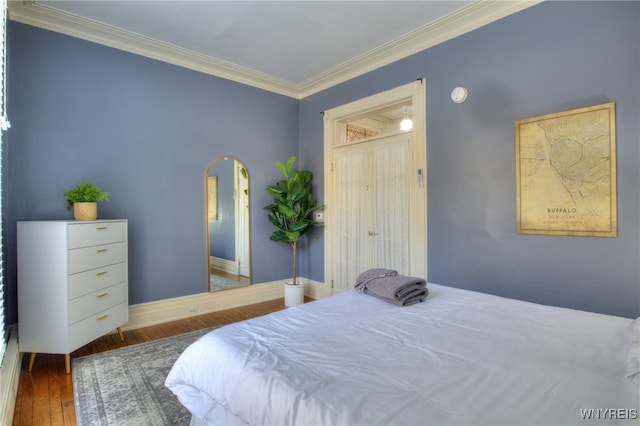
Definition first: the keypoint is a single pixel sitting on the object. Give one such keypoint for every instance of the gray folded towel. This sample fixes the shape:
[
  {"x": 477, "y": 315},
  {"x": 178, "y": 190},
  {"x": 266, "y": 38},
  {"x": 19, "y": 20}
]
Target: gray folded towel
[
  {"x": 371, "y": 274},
  {"x": 416, "y": 296},
  {"x": 387, "y": 285}
]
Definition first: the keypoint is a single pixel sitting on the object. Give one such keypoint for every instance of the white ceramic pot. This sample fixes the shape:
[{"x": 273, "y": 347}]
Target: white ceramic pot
[{"x": 293, "y": 294}]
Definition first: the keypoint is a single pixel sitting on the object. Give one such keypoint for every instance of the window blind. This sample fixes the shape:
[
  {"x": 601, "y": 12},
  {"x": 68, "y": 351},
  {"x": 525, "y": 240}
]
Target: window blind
[{"x": 4, "y": 125}]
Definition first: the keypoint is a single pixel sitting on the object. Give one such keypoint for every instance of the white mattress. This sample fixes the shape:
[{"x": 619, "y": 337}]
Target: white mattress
[{"x": 459, "y": 358}]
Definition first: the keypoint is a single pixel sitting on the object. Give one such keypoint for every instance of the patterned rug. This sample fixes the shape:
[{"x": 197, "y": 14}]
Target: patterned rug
[{"x": 126, "y": 386}]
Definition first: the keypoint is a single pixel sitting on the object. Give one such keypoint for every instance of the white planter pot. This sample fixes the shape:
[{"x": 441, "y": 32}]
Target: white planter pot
[{"x": 293, "y": 294}]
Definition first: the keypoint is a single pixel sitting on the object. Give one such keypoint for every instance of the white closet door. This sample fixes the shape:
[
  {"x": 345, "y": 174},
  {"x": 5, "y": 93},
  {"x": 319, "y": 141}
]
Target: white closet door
[
  {"x": 389, "y": 206},
  {"x": 349, "y": 226},
  {"x": 371, "y": 222}
]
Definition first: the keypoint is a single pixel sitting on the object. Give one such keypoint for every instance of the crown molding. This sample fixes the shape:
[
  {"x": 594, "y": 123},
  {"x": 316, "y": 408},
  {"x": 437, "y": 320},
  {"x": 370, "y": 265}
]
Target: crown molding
[
  {"x": 469, "y": 18},
  {"x": 473, "y": 16},
  {"x": 33, "y": 13}
]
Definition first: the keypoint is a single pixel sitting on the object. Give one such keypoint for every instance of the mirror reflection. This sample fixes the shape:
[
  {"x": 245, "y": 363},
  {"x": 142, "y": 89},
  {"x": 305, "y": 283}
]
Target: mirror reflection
[{"x": 227, "y": 212}]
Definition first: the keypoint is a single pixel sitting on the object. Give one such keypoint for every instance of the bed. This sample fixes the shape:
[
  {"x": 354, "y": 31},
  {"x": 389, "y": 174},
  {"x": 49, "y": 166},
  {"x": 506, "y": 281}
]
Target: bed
[{"x": 458, "y": 358}]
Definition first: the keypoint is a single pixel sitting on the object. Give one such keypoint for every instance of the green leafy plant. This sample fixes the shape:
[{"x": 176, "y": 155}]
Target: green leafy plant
[
  {"x": 85, "y": 193},
  {"x": 292, "y": 207}
]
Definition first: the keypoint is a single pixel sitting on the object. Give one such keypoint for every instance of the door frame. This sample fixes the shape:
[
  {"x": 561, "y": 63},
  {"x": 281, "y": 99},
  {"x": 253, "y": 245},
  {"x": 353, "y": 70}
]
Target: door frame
[
  {"x": 243, "y": 235},
  {"x": 334, "y": 135}
]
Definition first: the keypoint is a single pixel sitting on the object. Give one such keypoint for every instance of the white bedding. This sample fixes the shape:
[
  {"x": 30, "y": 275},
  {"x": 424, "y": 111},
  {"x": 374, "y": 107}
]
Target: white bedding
[{"x": 459, "y": 358}]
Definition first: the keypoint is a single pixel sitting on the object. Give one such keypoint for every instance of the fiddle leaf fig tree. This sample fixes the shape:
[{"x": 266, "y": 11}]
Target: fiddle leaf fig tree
[{"x": 292, "y": 207}]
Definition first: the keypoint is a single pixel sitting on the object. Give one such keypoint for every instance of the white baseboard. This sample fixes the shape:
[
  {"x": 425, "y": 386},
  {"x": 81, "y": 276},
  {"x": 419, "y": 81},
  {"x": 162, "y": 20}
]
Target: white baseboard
[
  {"x": 152, "y": 313},
  {"x": 9, "y": 378},
  {"x": 223, "y": 265},
  {"x": 316, "y": 289}
]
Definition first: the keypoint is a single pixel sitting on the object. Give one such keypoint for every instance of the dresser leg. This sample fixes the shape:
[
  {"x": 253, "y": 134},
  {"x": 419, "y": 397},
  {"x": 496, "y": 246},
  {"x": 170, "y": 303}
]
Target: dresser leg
[
  {"x": 67, "y": 362},
  {"x": 32, "y": 359},
  {"x": 121, "y": 334}
]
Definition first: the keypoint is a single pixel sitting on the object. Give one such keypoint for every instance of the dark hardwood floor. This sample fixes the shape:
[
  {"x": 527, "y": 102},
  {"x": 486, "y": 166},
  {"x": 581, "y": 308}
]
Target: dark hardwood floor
[{"x": 45, "y": 395}]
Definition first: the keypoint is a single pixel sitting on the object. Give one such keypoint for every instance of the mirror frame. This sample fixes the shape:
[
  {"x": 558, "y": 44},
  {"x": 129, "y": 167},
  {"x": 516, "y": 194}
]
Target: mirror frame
[{"x": 207, "y": 221}]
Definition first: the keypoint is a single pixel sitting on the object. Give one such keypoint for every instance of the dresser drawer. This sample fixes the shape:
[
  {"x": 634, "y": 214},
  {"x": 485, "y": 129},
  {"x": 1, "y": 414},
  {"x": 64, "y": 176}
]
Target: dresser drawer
[
  {"x": 96, "y": 233},
  {"x": 96, "y": 279},
  {"x": 97, "y": 325},
  {"x": 89, "y": 304},
  {"x": 84, "y": 259}
]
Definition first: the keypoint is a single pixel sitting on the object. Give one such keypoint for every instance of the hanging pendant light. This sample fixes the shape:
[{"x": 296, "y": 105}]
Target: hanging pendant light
[{"x": 406, "y": 123}]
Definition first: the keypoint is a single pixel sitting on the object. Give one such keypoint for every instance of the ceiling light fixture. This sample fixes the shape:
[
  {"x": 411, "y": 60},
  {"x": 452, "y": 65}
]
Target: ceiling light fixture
[{"x": 406, "y": 123}]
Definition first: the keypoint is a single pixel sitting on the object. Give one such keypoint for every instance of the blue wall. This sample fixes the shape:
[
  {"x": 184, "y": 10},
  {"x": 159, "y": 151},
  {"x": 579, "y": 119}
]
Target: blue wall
[
  {"x": 146, "y": 131},
  {"x": 551, "y": 57}
]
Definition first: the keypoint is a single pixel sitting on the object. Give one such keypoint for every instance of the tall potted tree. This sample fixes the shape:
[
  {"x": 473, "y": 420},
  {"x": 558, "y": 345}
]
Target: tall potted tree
[{"x": 291, "y": 214}]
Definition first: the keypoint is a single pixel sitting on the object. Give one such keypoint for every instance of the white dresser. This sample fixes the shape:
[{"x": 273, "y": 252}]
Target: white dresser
[{"x": 72, "y": 284}]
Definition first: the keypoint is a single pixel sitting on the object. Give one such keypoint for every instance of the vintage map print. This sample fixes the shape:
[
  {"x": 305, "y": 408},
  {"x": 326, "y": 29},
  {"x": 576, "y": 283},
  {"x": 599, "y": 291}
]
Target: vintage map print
[{"x": 566, "y": 173}]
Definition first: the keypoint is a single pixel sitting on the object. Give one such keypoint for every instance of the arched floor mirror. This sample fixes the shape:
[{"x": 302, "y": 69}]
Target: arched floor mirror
[{"x": 227, "y": 215}]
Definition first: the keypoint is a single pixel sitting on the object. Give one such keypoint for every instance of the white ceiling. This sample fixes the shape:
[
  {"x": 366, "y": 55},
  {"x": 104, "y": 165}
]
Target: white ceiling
[{"x": 291, "y": 47}]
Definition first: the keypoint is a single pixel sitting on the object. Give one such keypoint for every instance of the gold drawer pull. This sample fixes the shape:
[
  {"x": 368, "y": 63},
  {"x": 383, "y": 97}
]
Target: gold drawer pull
[
  {"x": 101, "y": 273},
  {"x": 101, "y": 250},
  {"x": 101, "y": 228},
  {"x": 101, "y": 317},
  {"x": 101, "y": 295}
]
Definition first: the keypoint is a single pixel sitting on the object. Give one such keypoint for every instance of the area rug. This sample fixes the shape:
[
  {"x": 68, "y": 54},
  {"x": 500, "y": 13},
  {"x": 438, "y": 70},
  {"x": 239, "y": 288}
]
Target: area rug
[{"x": 126, "y": 386}]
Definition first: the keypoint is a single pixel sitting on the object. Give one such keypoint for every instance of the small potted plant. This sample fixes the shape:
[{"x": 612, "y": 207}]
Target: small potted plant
[
  {"x": 84, "y": 199},
  {"x": 291, "y": 214}
]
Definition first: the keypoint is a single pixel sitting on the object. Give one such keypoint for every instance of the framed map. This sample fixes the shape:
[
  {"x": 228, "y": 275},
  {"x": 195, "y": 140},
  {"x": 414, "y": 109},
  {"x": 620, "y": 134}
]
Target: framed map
[{"x": 566, "y": 173}]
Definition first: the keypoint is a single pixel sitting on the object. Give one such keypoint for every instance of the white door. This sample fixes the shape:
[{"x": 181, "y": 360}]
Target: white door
[
  {"x": 389, "y": 205},
  {"x": 371, "y": 208},
  {"x": 242, "y": 221},
  {"x": 375, "y": 188},
  {"x": 348, "y": 229}
]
